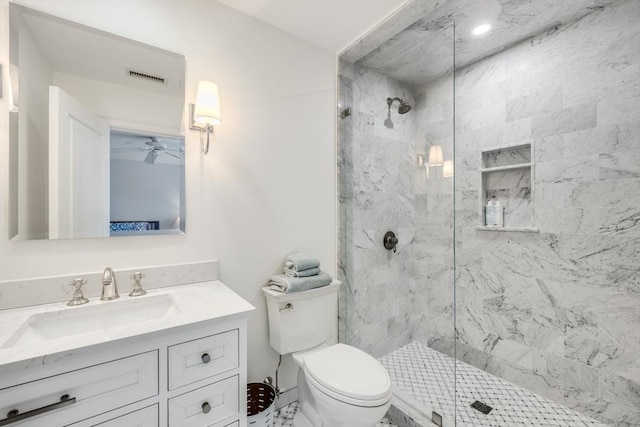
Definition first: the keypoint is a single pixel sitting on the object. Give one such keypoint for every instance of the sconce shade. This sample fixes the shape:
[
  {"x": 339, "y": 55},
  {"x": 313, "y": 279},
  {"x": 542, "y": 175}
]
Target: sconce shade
[
  {"x": 447, "y": 168},
  {"x": 207, "y": 109},
  {"x": 435, "y": 155}
]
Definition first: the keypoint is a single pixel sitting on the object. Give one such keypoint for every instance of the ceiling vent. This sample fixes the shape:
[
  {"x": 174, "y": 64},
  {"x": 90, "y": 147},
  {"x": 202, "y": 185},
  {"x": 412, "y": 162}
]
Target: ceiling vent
[{"x": 146, "y": 76}]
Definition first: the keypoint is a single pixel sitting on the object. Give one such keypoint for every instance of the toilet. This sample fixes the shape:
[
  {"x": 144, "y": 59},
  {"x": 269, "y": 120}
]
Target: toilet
[{"x": 338, "y": 385}]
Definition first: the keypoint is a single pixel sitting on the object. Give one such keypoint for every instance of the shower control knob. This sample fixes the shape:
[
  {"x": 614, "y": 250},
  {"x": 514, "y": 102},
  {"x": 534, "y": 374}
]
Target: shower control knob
[{"x": 390, "y": 241}]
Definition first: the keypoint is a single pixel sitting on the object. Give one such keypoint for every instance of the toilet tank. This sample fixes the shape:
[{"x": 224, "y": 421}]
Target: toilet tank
[{"x": 302, "y": 320}]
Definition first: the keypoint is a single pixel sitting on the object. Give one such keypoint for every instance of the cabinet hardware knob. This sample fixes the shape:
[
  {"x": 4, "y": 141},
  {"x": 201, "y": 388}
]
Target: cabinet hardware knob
[
  {"x": 206, "y": 358},
  {"x": 206, "y": 408}
]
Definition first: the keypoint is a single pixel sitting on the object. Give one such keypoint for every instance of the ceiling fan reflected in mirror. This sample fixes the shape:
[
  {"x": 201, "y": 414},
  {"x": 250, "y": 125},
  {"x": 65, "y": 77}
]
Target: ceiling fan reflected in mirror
[
  {"x": 149, "y": 149},
  {"x": 155, "y": 148}
]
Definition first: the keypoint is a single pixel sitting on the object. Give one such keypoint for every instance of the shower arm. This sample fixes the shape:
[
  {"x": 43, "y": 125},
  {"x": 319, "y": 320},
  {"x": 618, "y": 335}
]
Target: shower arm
[{"x": 390, "y": 101}]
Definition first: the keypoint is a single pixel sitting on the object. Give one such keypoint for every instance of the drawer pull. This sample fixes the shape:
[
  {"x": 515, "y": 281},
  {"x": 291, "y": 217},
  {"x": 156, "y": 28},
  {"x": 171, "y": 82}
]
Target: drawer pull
[
  {"x": 206, "y": 408},
  {"x": 206, "y": 358},
  {"x": 14, "y": 416}
]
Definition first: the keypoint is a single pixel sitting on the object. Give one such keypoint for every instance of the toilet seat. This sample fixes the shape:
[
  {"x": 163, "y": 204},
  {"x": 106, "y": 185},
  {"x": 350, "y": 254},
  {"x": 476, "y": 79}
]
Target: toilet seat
[{"x": 349, "y": 375}]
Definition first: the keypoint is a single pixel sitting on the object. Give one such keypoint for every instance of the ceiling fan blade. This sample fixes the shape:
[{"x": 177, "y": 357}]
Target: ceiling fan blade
[
  {"x": 151, "y": 157},
  {"x": 172, "y": 155},
  {"x": 129, "y": 149}
]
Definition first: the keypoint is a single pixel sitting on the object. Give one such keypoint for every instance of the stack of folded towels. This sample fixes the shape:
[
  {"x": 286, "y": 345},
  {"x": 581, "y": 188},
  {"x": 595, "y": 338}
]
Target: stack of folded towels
[{"x": 301, "y": 273}]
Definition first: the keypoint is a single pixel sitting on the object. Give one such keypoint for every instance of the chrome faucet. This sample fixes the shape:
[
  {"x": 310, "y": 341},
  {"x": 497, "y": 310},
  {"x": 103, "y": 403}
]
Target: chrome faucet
[
  {"x": 78, "y": 298},
  {"x": 109, "y": 287}
]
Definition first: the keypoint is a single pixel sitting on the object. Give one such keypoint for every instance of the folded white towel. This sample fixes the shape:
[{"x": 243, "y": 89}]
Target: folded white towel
[
  {"x": 299, "y": 261},
  {"x": 285, "y": 283},
  {"x": 302, "y": 273}
]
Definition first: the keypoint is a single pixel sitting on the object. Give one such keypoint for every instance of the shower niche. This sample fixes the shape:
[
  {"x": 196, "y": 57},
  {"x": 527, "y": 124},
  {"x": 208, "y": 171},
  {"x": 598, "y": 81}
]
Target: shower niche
[{"x": 507, "y": 175}]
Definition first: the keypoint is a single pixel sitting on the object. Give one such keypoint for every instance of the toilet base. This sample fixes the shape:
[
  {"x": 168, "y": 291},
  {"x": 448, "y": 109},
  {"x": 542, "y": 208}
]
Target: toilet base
[{"x": 337, "y": 414}]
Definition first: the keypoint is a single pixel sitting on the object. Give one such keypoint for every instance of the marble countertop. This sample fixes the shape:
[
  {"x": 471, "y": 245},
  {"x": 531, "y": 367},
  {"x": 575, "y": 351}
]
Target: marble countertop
[{"x": 99, "y": 322}]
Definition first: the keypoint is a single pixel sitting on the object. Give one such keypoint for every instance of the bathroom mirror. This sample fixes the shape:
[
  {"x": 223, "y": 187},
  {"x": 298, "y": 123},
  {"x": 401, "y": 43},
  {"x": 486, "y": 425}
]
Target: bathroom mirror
[{"x": 96, "y": 139}]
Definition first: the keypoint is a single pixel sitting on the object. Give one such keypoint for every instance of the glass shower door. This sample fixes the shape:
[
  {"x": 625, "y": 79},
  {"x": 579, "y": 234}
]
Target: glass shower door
[{"x": 395, "y": 145}]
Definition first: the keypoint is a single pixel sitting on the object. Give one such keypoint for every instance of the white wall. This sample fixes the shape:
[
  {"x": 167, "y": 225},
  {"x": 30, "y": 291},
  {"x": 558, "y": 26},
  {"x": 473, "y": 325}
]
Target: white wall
[
  {"x": 145, "y": 192},
  {"x": 267, "y": 186},
  {"x": 125, "y": 107},
  {"x": 33, "y": 124}
]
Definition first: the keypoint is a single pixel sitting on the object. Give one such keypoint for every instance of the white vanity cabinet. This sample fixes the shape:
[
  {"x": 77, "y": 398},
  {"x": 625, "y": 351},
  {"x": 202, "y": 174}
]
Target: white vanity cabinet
[{"x": 190, "y": 375}]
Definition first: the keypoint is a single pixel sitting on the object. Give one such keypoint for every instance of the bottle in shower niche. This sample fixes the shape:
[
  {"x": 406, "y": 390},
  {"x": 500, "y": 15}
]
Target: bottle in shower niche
[{"x": 494, "y": 213}]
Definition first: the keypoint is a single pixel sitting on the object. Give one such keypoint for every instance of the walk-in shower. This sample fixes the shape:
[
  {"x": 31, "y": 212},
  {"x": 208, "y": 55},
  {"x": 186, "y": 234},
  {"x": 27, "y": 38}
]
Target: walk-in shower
[{"x": 534, "y": 322}]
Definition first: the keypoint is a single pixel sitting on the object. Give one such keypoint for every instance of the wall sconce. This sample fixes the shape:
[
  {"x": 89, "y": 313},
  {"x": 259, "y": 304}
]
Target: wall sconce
[
  {"x": 447, "y": 168},
  {"x": 435, "y": 156},
  {"x": 422, "y": 160},
  {"x": 205, "y": 114}
]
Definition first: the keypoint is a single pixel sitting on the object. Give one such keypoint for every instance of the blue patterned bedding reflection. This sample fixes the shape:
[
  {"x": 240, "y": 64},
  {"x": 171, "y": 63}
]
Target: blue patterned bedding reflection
[{"x": 134, "y": 225}]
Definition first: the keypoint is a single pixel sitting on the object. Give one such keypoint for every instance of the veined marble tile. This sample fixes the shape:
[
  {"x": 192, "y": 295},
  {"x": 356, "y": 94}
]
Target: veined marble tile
[
  {"x": 618, "y": 109},
  {"x": 481, "y": 97},
  {"x": 620, "y": 165},
  {"x": 583, "y": 169},
  {"x": 478, "y": 76},
  {"x": 617, "y": 389},
  {"x": 536, "y": 103},
  {"x": 559, "y": 220},
  {"x": 605, "y": 193},
  {"x": 484, "y": 118},
  {"x": 612, "y": 220},
  {"x": 619, "y": 137},
  {"x": 571, "y": 119}
]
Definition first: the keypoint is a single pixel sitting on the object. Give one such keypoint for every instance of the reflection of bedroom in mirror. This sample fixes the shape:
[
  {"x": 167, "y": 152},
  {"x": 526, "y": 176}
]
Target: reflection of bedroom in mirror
[
  {"x": 147, "y": 183},
  {"x": 95, "y": 131}
]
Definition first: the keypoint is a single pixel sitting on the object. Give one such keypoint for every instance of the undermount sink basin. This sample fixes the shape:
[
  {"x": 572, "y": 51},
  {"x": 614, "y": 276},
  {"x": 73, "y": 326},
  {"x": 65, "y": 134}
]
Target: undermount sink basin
[{"x": 73, "y": 321}]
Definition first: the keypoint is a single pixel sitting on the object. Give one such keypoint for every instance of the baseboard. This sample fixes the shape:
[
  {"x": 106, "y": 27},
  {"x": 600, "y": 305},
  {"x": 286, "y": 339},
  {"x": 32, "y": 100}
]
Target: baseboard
[{"x": 287, "y": 398}]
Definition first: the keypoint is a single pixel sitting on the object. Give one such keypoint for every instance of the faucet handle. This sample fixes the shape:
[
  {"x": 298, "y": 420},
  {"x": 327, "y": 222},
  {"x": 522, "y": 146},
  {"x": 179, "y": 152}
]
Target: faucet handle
[
  {"x": 78, "y": 298},
  {"x": 137, "y": 286}
]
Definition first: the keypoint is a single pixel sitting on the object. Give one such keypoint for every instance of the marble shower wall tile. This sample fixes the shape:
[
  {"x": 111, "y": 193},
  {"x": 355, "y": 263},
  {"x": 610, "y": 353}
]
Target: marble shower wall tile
[{"x": 381, "y": 188}]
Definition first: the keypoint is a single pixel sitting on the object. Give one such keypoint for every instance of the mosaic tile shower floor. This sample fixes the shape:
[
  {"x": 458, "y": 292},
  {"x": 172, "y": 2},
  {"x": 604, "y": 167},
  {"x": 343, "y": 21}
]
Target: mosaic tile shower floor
[{"x": 426, "y": 376}]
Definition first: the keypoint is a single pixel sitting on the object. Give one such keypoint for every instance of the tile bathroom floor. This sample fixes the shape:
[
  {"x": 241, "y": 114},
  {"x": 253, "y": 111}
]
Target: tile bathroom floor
[
  {"x": 426, "y": 377},
  {"x": 284, "y": 417}
]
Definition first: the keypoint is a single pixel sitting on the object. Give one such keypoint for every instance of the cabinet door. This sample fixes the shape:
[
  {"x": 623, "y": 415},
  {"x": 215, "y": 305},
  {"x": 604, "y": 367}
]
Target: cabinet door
[
  {"x": 215, "y": 405},
  {"x": 63, "y": 399}
]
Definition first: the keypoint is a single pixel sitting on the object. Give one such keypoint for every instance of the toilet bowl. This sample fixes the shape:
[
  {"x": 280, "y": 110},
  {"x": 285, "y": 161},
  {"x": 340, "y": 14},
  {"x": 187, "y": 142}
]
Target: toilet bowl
[{"x": 341, "y": 386}]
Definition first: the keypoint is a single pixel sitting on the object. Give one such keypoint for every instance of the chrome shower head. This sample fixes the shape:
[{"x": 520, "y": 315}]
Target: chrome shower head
[{"x": 403, "y": 108}]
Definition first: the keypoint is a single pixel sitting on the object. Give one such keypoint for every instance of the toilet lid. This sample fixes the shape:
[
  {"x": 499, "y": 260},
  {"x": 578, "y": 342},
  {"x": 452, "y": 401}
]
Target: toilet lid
[{"x": 349, "y": 372}]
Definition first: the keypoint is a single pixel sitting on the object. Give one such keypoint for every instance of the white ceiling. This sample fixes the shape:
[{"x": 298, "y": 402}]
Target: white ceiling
[
  {"x": 86, "y": 52},
  {"x": 136, "y": 147},
  {"x": 330, "y": 24}
]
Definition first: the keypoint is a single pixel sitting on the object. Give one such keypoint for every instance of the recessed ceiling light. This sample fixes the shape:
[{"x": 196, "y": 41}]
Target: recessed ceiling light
[{"x": 481, "y": 29}]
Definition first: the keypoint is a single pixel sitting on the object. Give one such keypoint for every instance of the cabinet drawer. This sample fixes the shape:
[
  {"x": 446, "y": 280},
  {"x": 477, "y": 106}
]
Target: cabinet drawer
[
  {"x": 92, "y": 391},
  {"x": 215, "y": 405},
  {"x": 202, "y": 358},
  {"x": 145, "y": 417}
]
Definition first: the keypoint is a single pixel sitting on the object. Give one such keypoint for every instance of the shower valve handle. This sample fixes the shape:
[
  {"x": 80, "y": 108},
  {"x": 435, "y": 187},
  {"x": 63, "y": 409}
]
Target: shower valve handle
[{"x": 390, "y": 241}]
